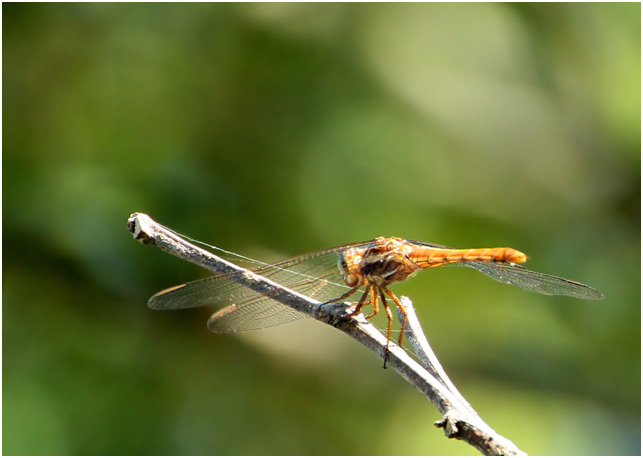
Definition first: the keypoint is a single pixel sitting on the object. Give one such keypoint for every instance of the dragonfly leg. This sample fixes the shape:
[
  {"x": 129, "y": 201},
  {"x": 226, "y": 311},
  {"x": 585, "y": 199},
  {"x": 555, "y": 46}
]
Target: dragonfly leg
[
  {"x": 360, "y": 304},
  {"x": 402, "y": 309},
  {"x": 344, "y": 296},
  {"x": 373, "y": 300}
]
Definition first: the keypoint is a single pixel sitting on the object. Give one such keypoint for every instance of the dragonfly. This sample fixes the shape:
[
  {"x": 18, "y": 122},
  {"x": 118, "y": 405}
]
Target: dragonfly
[{"x": 335, "y": 274}]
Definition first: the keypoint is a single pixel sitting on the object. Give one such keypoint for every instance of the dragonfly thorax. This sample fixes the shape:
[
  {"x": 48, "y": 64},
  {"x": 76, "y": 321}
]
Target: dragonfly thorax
[{"x": 382, "y": 263}]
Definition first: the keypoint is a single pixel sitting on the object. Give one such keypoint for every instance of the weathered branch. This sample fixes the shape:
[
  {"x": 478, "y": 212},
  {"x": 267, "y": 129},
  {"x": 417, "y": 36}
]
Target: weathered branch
[
  {"x": 425, "y": 354},
  {"x": 459, "y": 420}
]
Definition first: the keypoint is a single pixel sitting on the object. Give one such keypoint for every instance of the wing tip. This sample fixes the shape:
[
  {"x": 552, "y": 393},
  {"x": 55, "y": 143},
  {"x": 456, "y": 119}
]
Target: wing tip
[
  {"x": 156, "y": 302},
  {"x": 596, "y": 295}
]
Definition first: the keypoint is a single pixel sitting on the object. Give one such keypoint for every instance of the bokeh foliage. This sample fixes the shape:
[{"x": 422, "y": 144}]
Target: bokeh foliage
[{"x": 275, "y": 129}]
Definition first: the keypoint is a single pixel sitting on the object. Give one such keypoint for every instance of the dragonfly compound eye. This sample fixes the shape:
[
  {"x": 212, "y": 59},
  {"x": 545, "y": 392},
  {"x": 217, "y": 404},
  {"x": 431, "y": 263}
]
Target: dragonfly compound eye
[
  {"x": 348, "y": 264},
  {"x": 342, "y": 265},
  {"x": 351, "y": 280}
]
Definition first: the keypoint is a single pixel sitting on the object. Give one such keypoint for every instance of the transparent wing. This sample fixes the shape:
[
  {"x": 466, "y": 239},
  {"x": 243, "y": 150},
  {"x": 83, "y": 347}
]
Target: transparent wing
[
  {"x": 314, "y": 274},
  {"x": 294, "y": 272},
  {"x": 260, "y": 312},
  {"x": 257, "y": 313},
  {"x": 537, "y": 282}
]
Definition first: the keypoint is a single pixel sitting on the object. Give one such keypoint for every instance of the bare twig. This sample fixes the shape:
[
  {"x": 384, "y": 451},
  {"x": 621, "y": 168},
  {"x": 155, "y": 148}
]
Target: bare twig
[
  {"x": 459, "y": 420},
  {"x": 425, "y": 354}
]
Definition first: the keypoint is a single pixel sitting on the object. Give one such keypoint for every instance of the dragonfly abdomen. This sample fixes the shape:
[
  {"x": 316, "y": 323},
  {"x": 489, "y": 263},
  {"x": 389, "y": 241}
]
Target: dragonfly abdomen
[{"x": 435, "y": 257}]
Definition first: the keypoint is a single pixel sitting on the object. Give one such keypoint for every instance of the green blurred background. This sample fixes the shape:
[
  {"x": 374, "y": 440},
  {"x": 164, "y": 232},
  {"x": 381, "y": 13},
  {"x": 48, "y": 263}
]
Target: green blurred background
[{"x": 276, "y": 129}]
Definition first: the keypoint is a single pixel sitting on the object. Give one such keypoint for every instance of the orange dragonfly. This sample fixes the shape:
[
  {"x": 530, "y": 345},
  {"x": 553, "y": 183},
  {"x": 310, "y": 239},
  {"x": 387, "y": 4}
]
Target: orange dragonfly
[{"x": 334, "y": 274}]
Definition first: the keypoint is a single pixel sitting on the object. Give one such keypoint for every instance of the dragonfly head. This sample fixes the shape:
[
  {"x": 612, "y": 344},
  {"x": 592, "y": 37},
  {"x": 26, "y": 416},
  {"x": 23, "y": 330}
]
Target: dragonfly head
[{"x": 348, "y": 264}]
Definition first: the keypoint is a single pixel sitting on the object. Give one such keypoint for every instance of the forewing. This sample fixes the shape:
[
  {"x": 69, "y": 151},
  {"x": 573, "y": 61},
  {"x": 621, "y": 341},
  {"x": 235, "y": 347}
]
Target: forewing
[
  {"x": 314, "y": 274},
  {"x": 212, "y": 290}
]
